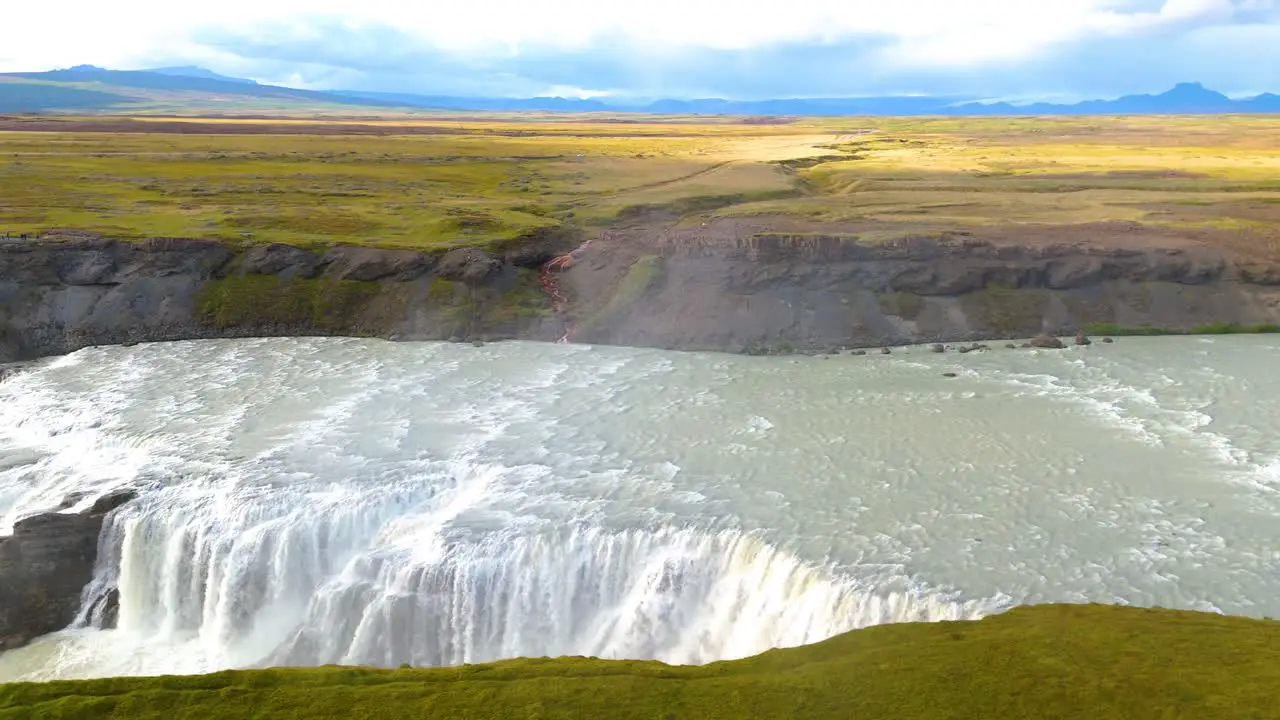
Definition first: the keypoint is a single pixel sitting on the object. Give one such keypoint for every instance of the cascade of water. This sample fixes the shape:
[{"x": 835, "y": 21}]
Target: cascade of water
[{"x": 370, "y": 583}]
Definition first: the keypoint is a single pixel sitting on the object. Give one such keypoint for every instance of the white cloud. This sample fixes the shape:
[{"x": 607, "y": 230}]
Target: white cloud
[
  {"x": 689, "y": 47},
  {"x": 125, "y": 32}
]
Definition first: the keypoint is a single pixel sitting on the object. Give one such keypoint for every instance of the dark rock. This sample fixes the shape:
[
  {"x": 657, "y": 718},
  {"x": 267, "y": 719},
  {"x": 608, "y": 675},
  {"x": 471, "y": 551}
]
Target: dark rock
[
  {"x": 1073, "y": 272},
  {"x": 106, "y": 610},
  {"x": 885, "y": 351},
  {"x": 95, "y": 267},
  {"x": 477, "y": 343},
  {"x": 469, "y": 265},
  {"x": 963, "y": 350},
  {"x": 938, "y": 348},
  {"x": 286, "y": 261},
  {"x": 1011, "y": 346},
  {"x": 112, "y": 501},
  {"x": 71, "y": 499},
  {"x": 1082, "y": 339},
  {"x": 1108, "y": 341},
  {"x": 948, "y": 375},
  {"x": 1025, "y": 345},
  {"x": 858, "y": 352},
  {"x": 372, "y": 264},
  {"x": 44, "y": 567},
  {"x": 1045, "y": 340}
]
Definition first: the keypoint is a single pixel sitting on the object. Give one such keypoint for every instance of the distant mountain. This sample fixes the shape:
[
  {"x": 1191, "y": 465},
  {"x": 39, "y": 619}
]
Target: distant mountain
[
  {"x": 150, "y": 80},
  {"x": 198, "y": 72},
  {"x": 1185, "y": 99},
  {"x": 17, "y": 96},
  {"x": 708, "y": 106},
  {"x": 192, "y": 89}
]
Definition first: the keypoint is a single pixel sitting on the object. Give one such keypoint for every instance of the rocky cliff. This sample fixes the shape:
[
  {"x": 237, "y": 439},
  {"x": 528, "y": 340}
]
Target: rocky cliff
[
  {"x": 766, "y": 291},
  {"x": 813, "y": 291},
  {"x": 44, "y": 567}
]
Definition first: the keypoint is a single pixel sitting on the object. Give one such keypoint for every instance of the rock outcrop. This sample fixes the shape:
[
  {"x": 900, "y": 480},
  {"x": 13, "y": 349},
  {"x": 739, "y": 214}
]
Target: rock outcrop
[
  {"x": 1047, "y": 341},
  {"x": 761, "y": 293},
  {"x": 44, "y": 567}
]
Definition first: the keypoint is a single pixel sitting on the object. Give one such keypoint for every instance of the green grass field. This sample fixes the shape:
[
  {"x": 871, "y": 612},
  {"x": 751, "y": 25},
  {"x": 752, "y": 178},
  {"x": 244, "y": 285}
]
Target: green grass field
[
  {"x": 1066, "y": 661},
  {"x": 439, "y": 181}
]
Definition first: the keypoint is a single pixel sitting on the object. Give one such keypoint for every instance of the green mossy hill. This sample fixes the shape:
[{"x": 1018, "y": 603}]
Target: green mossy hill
[
  {"x": 267, "y": 300},
  {"x": 1214, "y": 329},
  {"x": 1054, "y": 661}
]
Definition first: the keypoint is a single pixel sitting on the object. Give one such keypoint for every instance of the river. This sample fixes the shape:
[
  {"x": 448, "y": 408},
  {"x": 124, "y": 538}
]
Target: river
[{"x": 310, "y": 501}]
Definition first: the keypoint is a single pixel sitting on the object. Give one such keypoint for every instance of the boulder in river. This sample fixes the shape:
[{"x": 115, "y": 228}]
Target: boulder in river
[
  {"x": 1045, "y": 340},
  {"x": 45, "y": 565},
  {"x": 938, "y": 348},
  {"x": 1082, "y": 339}
]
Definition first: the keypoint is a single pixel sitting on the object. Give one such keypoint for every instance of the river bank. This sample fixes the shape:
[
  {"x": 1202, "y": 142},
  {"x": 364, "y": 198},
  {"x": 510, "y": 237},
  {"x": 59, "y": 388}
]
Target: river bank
[
  {"x": 743, "y": 290},
  {"x": 1048, "y": 661}
]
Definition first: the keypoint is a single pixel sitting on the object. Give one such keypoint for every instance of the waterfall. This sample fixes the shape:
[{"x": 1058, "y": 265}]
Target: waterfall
[{"x": 389, "y": 578}]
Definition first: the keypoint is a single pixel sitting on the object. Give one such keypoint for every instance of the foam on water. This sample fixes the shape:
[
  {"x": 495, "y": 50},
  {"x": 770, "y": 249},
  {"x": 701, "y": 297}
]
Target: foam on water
[{"x": 338, "y": 501}]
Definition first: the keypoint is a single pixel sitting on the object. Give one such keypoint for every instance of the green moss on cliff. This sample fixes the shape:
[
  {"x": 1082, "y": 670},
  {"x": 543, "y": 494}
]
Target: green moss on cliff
[
  {"x": 640, "y": 277},
  {"x": 1211, "y": 329},
  {"x": 1088, "y": 662},
  {"x": 523, "y": 300},
  {"x": 268, "y": 300},
  {"x": 905, "y": 305},
  {"x": 1007, "y": 311}
]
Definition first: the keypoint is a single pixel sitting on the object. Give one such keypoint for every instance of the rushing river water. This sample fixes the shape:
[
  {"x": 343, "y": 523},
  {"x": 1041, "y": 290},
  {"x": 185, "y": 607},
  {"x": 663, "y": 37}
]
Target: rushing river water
[{"x": 341, "y": 501}]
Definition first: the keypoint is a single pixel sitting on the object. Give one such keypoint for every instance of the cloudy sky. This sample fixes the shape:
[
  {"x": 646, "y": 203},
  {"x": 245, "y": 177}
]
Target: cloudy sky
[{"x": 741, "y": 49}]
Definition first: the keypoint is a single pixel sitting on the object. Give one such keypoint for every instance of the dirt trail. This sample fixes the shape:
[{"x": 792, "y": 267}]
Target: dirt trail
[{"x": 780, "y": 148}]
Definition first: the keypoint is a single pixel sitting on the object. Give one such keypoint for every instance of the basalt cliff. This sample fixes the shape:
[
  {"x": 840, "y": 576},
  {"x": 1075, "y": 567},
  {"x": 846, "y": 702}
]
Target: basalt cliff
[{"x": 763, "y": 292}]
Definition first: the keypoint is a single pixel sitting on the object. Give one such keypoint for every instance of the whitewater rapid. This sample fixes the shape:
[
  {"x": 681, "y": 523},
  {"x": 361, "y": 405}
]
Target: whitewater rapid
[{"x": 316, "y": 501}]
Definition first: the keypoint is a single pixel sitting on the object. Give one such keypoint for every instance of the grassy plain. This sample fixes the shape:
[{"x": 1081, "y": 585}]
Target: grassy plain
[
  {"x": 1087, "y": 662},
  {"x": 438, "y": 181}
]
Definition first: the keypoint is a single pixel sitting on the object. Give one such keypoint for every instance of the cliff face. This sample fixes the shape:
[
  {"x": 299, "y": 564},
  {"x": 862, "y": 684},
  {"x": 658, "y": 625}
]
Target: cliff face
[
  {"x": 761, "y": 292},
  {"x": 775, "y": 291},
  {"x": 44, "y": 566},
  {"x": 59, "y": 295}
]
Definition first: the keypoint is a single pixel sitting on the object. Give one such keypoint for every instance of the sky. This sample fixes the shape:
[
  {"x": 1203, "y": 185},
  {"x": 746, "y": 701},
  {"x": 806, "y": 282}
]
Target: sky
[{"x": 735, "y": 49}]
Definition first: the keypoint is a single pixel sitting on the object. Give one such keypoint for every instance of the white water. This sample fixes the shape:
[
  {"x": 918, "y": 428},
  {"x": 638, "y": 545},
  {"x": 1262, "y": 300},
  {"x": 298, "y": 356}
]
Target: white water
[{"x": 329, "y": 501}]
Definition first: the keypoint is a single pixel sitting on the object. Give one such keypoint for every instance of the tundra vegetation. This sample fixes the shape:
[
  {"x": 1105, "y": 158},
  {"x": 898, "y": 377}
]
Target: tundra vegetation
[
  {"x": 432, "y": 182},
  {"x": 1053, "y": 661}
]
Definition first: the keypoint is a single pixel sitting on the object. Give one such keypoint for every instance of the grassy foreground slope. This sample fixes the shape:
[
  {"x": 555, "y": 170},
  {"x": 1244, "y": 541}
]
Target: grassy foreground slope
[
  {"x": 438, "y": 181},
  {"x": 1088, "y": 662}
]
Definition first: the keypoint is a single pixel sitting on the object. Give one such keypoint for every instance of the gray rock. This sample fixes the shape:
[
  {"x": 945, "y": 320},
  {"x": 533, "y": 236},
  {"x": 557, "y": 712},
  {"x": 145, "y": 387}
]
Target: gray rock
[
  {"x": 1045, "y": 340},
  {"x": 469, "y": 265},
  {"x": 372, "y": 264},
  {"x": 938, "y": 348},
  {"x": 1082, "y": 339},
  {"x": 278, "y": 259},
  {"x": 45, "y": 565}
]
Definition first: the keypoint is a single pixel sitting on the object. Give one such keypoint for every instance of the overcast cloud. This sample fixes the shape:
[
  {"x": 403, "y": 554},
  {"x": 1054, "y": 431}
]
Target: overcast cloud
[{"x": 674, "y": 48}]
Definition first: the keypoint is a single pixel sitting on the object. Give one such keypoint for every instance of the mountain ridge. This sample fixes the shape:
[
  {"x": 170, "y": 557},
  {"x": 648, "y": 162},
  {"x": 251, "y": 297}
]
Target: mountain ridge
[{"x": 112, "y": 90}]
